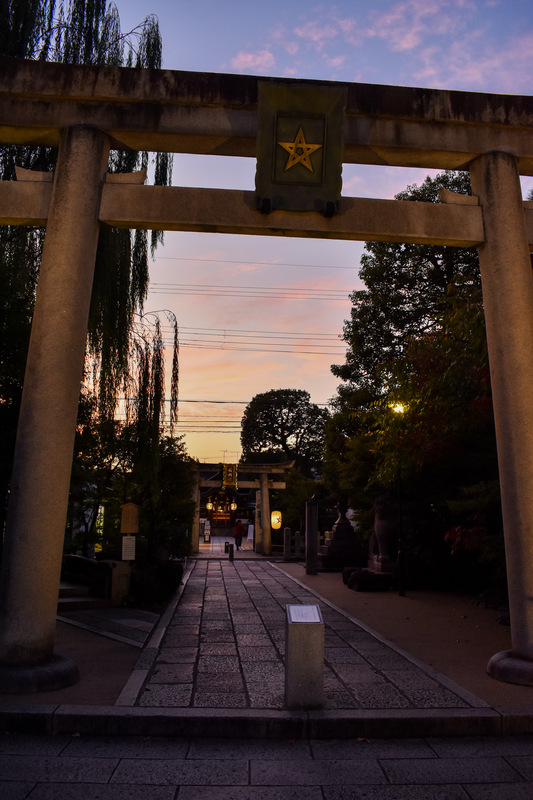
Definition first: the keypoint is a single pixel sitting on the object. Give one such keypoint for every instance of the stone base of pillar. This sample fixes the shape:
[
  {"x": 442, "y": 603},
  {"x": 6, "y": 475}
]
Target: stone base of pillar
[
  {"x": 382, "y": 565},
  {"x": 509, "y": 667},
  {"x": 58, "y": 673}
]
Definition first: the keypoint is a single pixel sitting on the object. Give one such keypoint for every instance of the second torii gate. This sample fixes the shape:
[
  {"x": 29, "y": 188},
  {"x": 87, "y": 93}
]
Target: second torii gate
[{"x": 262, "y": 483}]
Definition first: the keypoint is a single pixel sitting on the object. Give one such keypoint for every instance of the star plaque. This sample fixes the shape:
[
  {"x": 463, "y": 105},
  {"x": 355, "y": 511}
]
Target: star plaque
[
  {"x": 299, "y": 151},
  {"x": 299, "y": 147}
]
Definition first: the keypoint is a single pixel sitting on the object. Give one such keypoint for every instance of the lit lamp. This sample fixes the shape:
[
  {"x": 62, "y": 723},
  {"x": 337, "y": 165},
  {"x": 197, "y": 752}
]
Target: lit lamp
[
  {"x": 275, "y": 520},
  {"x": 398, "y": 408},
  {"x": 209, "y": 505},
  {"x": 233, "y": 506}
]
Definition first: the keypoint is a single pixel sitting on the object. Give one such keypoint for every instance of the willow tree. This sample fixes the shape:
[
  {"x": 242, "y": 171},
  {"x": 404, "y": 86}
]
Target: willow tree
[{"x": 74, "y": 32}]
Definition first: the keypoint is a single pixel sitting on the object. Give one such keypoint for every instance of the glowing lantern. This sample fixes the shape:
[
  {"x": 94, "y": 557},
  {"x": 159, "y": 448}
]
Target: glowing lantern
[{"x": 275, "y": 520}]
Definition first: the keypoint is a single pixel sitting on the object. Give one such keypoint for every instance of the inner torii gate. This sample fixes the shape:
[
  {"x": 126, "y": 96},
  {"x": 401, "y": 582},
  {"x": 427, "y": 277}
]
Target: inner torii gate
[
  {"x": 262, "y": 483},
  {"x": 85, "y": 111}
]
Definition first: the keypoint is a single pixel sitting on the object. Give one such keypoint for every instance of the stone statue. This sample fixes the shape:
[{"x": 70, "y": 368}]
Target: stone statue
[{"x": 383, "y": 541}]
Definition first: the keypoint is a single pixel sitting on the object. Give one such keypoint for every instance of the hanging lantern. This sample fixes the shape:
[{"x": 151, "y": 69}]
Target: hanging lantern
[
  {"x": 233, "y": 505},
  {"x": 275, "y": 520},
  {"x": 209, "y": 505}
]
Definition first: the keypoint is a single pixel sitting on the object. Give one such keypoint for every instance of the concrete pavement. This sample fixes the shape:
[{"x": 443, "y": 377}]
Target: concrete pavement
[
  {"x": 214, "y": 665},
  {"x": 73, "y": 767},
  {"x": 199, "y": 713}
]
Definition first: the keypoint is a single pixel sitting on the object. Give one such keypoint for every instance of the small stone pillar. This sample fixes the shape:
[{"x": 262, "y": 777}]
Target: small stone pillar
[
  {"x": 508, "y": 300},
  {"x": 195, "y": 532},
  {"x": 287, "y": 548},
  {"x": 43, "y": 455},
  {"x": 304, "y": 657},
  {"x": 311, "y": 537}
]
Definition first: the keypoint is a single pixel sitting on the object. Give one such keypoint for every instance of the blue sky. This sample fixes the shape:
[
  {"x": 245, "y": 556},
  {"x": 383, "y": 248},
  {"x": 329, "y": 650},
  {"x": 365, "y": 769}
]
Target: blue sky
[{"x": 235, "y": 345}]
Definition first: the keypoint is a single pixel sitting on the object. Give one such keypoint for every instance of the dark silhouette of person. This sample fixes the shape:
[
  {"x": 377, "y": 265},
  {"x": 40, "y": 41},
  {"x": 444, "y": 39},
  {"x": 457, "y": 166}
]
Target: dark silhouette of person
[{"x": 238, "y": 534}]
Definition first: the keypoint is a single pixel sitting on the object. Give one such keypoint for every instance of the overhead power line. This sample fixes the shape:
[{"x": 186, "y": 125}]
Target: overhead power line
[
  {"x": 251, "y": 263},
  {"x": 262, "y": 334},
  {"x": 260, "y": 292},
  {"x": 259, "y": 341},
  {"x": 222, "y": 402}
]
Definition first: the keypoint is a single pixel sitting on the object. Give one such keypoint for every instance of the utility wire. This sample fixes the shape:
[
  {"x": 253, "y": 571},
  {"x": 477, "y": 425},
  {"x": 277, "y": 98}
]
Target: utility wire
[
  {"x": 251, "y": 263},
  {"x": 261, "y": 292},
  {"x": 260, "y": 341}
]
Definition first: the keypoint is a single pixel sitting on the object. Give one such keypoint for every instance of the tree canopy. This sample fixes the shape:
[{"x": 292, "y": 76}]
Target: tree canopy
[
  {"x": 405, "y": 296},
  {"x": 124, "y": 361},
  {"x": 417, "y": 345},
  {"x": 78, "y": 32},
  {"x": 283, "y": 425}
]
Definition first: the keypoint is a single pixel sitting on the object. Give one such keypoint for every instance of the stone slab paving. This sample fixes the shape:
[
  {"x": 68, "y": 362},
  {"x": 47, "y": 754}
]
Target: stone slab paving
[
  {"x": 34, "y": 767},
  {"x": 132, "y": 626},
  {"x": 224, "y": 647}
]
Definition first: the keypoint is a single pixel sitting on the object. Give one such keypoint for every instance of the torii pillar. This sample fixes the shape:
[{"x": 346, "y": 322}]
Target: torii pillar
[
  {"x": 266, "y": 537},
  {"x": 507, "y": 283},
  {"x": 47, "y": 423}
]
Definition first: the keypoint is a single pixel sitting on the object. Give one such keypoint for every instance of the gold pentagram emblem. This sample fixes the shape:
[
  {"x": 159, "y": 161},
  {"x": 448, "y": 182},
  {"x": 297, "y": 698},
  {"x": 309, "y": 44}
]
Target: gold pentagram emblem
[{"x": 299, "y": 151}]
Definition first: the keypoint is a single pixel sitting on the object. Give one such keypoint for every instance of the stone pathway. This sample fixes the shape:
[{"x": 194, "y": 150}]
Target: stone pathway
[
  {"x": 166, "y": 768},
  {"x": 224, "y": 646}
]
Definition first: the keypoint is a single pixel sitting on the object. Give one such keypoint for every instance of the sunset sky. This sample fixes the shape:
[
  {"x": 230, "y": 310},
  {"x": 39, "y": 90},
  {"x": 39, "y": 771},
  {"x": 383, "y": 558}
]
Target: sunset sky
[{"x": 260, "y": 313}]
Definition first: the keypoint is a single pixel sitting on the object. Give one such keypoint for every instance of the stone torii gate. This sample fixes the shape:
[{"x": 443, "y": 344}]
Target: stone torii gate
[
  {"x": 262, "y": 483},
  {"x": 85, "y": 111}
]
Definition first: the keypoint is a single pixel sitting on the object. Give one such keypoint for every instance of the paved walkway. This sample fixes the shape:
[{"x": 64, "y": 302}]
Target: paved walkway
[
  {"x": 224, "y": 647},
  {"x": 144, "y": 768},
  {"x": 203, "y": 718},
  {"x": 214, "y": 665}
]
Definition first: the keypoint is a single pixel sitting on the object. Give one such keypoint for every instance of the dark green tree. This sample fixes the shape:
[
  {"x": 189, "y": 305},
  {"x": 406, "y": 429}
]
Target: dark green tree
[
  {"x": 283, "y": 425},
  {"x": 417, "y": 344},
  {"x": 405, "y": 296},
  {"x": 74, "y": 32}
]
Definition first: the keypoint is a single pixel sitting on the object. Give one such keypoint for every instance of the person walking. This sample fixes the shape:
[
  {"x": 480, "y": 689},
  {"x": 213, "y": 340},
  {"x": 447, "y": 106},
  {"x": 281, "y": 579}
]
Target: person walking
[{"x": 238, "y": 534}]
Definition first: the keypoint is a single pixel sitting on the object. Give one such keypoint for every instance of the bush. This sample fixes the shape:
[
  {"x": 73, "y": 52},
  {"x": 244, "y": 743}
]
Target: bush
[{"x": 153, "y": 586}]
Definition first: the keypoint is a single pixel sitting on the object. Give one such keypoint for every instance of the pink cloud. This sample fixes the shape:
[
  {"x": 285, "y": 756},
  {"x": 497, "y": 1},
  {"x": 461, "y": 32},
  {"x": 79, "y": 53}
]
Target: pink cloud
[
  {"x": 338, "y": 61},
  {"x": 473, "y": 62},
  {"x": 404, "y": 26},
  {"x": 292, "y": 48},
  {"x": 260, "y": 61},
  {"x": 316, "y": 33}
]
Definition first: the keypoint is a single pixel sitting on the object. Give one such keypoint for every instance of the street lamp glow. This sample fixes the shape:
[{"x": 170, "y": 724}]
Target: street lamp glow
[{"x": 398, "y": 408}]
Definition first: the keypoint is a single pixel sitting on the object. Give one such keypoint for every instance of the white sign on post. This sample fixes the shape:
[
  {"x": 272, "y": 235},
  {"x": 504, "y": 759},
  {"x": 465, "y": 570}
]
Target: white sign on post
[
  {"x": 304, "y": 614},
  {"x": 128, "y": 548}
]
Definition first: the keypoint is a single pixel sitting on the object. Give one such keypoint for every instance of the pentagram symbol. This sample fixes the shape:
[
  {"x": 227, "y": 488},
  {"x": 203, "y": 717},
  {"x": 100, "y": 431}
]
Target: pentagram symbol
[{"x": 299, "y": 151}]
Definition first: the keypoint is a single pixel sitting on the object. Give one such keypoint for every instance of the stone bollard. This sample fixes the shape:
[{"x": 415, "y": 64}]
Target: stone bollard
[
  {"x": 287, "y": 550},
  {"x": 231, "y": 552},
  {"x": 311, "y": 537},
  {"x": 304, "y": 657}
]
